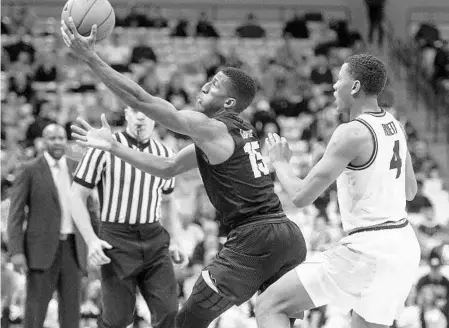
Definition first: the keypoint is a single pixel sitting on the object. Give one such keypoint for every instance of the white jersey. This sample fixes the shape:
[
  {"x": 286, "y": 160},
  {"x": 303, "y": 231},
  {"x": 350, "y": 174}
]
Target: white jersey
[{"x": 374, "y": 193}]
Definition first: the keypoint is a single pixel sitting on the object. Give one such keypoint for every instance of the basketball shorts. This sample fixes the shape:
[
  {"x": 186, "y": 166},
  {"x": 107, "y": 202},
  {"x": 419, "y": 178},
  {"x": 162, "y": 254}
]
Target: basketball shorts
[
  {"x": 254, "y": 256},
  {"x": 370, "y": 272}
]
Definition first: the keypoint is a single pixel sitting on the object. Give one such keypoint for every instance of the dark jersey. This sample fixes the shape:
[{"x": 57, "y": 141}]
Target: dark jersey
[{"x": 241, "y": 188}]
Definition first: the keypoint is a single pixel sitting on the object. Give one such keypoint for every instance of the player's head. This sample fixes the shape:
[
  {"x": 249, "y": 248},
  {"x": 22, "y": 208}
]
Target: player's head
[
  {"x": 230, "y": 89},
  {"x": 138, "y": 125},
  {"x": 55, "y": 140},
  {"x": 360, "y": 76}
]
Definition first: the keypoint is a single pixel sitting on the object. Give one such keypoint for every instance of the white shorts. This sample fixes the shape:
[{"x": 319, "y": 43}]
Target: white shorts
[{"x": 369, "y": 272}]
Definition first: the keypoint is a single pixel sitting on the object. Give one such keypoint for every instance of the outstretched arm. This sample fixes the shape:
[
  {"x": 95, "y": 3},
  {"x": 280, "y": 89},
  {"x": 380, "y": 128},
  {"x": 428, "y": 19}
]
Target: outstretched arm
[
  {"x": 342, "y": 149},
  {"x": 160, "y": 166},
  {"x": 164, "y": 167},
  {"x": 191, "y": 123}
]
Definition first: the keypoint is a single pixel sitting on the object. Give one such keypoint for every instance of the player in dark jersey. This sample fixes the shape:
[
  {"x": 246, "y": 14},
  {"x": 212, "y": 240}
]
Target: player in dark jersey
[{"x": 263, "y": 243}]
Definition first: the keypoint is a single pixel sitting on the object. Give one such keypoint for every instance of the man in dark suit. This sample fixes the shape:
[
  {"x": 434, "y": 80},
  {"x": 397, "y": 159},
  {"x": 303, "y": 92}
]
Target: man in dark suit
[{"x": 49, "y": 250}]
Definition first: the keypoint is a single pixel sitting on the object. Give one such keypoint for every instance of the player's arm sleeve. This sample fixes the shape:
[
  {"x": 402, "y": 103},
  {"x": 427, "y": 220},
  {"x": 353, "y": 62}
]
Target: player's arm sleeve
[
  {"x": 342, "y": 149},
  {"x": 90, "y": 168},
  {"x": 191, "y": 123}
]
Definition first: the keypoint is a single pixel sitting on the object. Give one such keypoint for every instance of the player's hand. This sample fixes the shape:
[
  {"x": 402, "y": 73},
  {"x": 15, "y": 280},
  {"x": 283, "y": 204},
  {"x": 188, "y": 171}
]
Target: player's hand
[
  {"x": 96, "y": 254},
  {"x": 88, "y": 136},
  {"x": 278, "y": 148},
  {"x": 19, "y": 262},
  {"x": 178, "y": 256},
  {"x": 83, "y": 46}
]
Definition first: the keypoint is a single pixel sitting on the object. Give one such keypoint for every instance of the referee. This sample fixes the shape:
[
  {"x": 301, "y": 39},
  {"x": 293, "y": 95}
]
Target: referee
[{"x": 136, "y": 245}]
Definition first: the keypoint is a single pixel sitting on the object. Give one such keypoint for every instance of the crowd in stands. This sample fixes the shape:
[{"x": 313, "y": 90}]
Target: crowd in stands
[{"x": 42, "y": 82}]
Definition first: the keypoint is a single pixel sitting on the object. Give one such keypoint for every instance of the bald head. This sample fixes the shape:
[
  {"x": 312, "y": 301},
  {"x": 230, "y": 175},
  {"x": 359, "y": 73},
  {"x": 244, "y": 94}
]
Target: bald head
[
  {"x": 55, "y": 140},
  {"x": 51, "y": 129}
]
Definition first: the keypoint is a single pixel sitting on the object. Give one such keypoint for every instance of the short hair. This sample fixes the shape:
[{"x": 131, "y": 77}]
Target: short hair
[
  {"x": 370, "y": 71},
  {"x": 243, "y": 87}
]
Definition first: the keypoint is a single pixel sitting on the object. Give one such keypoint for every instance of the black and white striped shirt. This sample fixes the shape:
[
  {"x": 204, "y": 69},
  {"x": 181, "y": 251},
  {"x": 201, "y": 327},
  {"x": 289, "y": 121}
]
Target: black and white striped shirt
[{"x": 127, "y": 195}]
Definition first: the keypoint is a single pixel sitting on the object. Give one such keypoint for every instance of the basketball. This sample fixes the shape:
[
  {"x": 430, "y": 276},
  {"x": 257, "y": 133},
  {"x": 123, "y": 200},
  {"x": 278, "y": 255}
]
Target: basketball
[{"x": 85, "y": 14}]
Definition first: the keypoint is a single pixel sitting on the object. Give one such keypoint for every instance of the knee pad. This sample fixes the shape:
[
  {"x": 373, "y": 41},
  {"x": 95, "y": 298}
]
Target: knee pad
[{"x": 202, "y": 307}]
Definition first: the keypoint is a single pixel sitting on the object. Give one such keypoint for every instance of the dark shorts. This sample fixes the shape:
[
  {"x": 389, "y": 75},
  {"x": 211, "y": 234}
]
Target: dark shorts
[{"x": 255, "y": 256}]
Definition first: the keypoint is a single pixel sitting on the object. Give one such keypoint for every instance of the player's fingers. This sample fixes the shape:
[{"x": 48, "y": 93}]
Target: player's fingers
[
  {"x": 65, "y": 29},
  {"x": 270, "y": 137},
  {"x": 78, "y": 130},
  {"x": 93, "y": 33},
  {"x": 65, "y": 38},
  {"x": 105, "y": 244},
  {"x": 93, "y": 260},
  {"x": 79, "y": 137},
  {"x": 86, "y": 125},
  {"x": 99, "y": 257},
  {"x": 268, "y": 142},
  {"x": 104, "y": 122},
  {"x": 80, "y": 142},
  {"x": 103, "y": 258},
  {"x": 72, "y": 27},
  {"x": 276, "y": 137}
]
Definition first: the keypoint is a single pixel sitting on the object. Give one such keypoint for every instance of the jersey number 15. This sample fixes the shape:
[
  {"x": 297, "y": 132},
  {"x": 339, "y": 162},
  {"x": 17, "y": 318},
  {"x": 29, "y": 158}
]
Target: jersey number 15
[{"x": 255, "y": 157}]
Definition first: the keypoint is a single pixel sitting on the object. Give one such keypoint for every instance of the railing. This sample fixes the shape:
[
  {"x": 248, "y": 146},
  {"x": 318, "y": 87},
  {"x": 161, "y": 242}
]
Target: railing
[{"x": 405, "y": 60}]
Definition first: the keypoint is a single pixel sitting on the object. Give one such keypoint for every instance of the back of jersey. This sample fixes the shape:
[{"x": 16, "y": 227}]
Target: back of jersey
[{"x": 374, "y": 193}]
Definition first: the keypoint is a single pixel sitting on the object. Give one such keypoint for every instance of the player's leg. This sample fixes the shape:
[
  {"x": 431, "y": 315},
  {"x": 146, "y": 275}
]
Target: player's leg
[
  {"x": 118, "y": 297},
  {"x": 286, "y": 298},
  {"x": 358, "y": 322},
  {"x": 203, "y": 306}
]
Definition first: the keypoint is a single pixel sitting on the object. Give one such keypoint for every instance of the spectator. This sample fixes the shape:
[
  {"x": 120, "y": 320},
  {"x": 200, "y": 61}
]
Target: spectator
[
  {"x": 441, "y": 63},
  {"x": 250, "y": 28},
  {"x": 20, "y": 84},
  {"x": 157, "y": 19},
  {"x": 436, "y": 284},
  {"x": 423, "y": 163},
  {"x": 427, "y": 35},
  {"x": 46, "y": 112},
  {"x": 204, "y": 28},
  {"x": 376, "y": 19},
  {"x": 8, "y": 286},
  {"x": 49, "y": 251},
  {"x": 296, "y": 28},
  {"x": 420, "y": 201},
  {"x": 136, "y": 18},
  {"x": 115, "y": 52},
  {"x": 142, "y": 52},
  {"x": 181, "y": 29},
  {"x": 213, "y": 60},
  {"x": 429, "y": 227},
  {"x": 233, "y": 59},
  {"x": 176, "y": 93},
  {"x": 321, "y": 74},
  {"x": 47, "y": 70},
  {"x": 22, "y": 45}
]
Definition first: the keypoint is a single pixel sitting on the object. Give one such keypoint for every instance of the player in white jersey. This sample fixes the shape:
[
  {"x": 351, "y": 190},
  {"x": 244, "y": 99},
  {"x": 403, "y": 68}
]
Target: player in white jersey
[{"x": 372, "y": 270}]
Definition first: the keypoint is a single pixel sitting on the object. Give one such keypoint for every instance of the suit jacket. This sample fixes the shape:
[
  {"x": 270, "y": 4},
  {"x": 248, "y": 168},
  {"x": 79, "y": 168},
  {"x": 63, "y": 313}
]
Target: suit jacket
[{"x": 35, "y": 189}]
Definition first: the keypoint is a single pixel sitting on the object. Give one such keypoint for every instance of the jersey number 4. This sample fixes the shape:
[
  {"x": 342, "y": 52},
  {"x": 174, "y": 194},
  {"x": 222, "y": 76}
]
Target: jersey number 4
[
  {"x": 255, "y": 157},
  {"x": 396, "y": 161}
]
